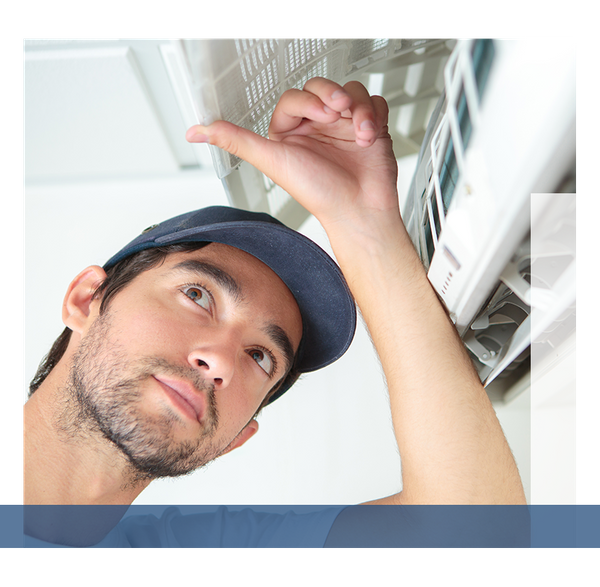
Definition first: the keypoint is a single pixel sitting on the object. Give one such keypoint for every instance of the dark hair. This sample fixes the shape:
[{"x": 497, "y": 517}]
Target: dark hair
[{"x": 118, "y": 277}]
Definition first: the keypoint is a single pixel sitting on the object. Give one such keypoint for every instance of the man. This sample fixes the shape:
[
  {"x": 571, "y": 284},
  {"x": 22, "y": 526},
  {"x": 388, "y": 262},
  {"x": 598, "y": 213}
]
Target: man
[
  {"x": 205, "y": 326},
  {"x": 170, "y": 373}
]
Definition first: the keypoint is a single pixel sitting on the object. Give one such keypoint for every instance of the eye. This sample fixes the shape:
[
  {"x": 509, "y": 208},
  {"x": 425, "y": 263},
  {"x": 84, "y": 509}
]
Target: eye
[
  {"x": 264, "y": 359},
  {"x": 199, "y": 295}
]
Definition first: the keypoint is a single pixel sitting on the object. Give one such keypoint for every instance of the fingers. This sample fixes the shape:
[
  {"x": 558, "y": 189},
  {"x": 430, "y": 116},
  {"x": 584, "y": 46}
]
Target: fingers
[
  {"x": 325, "y": 101},
  {"x": 235, "y": 140},
  {"x": 296, "y": 105},
  {"x": 369, "y": 114},
  {"x": 333, "y": 96},
  {"x": 321, "y": 101}
]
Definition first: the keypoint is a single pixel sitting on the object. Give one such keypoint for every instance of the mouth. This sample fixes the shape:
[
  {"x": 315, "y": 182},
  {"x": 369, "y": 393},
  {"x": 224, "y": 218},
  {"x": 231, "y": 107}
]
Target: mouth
[{"x": 183, "y": 396}]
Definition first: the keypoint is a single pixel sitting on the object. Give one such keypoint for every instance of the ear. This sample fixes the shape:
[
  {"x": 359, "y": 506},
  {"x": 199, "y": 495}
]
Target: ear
[
  {"x": 76, "y": 305},
  {"x": 246, "y": 434}
]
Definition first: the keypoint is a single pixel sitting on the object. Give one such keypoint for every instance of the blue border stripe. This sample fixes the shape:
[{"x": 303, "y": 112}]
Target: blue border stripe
[
  {"x": 538, "y": 526},
  {"x": 588, "y": 525},
  {"x": 11, "y": 526}
]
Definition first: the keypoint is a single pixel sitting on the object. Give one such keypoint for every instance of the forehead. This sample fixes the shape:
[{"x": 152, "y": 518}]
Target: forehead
[{"x": 233, "y": 262}]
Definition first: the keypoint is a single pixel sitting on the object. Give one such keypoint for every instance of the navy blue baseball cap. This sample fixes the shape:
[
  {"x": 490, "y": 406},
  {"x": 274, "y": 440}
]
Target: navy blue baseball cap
[{"x": 326, "y": 305}]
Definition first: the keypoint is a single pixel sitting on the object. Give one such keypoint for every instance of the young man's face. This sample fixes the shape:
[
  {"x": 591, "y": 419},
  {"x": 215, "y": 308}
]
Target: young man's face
[{"x": 184, "y": 356}]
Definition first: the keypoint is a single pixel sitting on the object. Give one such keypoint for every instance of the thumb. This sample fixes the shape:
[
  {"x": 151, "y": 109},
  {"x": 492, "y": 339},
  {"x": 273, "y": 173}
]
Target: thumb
[{"x": 236, "y": 140}]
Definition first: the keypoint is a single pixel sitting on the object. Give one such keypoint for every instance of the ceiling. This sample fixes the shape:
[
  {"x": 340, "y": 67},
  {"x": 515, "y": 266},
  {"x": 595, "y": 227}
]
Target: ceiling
[{"x": 102, "y": 109}]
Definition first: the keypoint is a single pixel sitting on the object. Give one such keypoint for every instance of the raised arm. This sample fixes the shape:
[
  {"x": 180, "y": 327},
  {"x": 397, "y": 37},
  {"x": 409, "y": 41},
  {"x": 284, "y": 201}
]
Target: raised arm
[{"x": 329, "y": 148}]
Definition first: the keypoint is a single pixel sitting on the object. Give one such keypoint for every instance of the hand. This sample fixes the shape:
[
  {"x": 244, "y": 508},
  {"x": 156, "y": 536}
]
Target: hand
[{"x": 329, "y": 148}]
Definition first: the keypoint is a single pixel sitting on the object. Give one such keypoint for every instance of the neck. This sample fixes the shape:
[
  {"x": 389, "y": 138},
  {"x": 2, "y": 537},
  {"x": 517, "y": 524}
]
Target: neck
[{"x": 68, "y": 462}]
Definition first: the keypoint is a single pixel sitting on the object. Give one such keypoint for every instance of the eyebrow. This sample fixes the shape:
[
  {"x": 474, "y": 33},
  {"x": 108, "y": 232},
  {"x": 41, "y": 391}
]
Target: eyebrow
[
  {"x": 222, "y": 278},
  {"x": 277, "y": 334},
  {"x": 282, "y": 341}
]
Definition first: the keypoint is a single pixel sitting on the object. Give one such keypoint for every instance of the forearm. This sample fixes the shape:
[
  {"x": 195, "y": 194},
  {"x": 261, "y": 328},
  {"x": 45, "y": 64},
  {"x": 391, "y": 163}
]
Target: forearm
[{"x": 452, "y": 447}]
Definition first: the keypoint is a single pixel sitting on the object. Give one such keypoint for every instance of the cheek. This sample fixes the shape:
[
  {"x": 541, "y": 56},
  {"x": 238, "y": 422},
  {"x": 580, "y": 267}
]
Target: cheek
[
  {"x": 149, "y": 329},
  {"x": 235, "y": 410}
]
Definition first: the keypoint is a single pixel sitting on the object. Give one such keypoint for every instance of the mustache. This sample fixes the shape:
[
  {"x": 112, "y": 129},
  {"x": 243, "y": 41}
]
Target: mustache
[
  {"x": 150, "y": 366},
  {"x": 157, "y": 364}
]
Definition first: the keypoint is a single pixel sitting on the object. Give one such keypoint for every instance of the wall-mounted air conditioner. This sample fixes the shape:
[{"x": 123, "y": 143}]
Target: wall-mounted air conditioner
[
  {"x": 488, "y": 122},
  {"x": 504, "y": 130}
]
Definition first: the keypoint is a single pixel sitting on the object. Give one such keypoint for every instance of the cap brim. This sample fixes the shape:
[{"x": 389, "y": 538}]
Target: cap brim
[{"x": 316, "y": 282}]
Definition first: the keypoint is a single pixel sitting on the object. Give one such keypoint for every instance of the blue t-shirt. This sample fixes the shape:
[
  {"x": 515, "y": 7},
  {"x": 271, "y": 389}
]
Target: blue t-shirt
[
  {"x": 278, "y": 527},
  {"x": 380, "y": 526}
]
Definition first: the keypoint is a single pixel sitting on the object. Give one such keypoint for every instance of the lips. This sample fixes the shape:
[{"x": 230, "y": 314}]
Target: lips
[{"x": 184, "y": 396}]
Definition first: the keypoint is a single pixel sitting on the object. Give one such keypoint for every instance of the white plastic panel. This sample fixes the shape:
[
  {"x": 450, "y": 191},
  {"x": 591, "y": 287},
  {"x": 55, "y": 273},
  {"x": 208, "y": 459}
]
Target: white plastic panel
[
  {"x": 489, "y": 148},
  {"x": 241, "y": 80}
]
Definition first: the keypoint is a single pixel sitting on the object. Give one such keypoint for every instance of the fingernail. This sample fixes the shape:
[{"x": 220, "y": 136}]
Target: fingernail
[
  {"x": 367, "y": 125},
  {"x": 198, "y": 138},
  {"x": 338, "y": 94},
  {"x": 328, "y": 110}
]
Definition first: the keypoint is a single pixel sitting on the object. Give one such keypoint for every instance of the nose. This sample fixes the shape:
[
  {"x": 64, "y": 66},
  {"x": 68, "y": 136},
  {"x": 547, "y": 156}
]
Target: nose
[{"x": 216, "y": 365}]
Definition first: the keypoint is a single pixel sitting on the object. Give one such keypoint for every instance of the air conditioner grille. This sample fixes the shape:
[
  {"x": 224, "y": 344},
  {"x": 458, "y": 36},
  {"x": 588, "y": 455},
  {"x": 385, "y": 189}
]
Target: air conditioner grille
[{"x": 241, "y": 80}]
